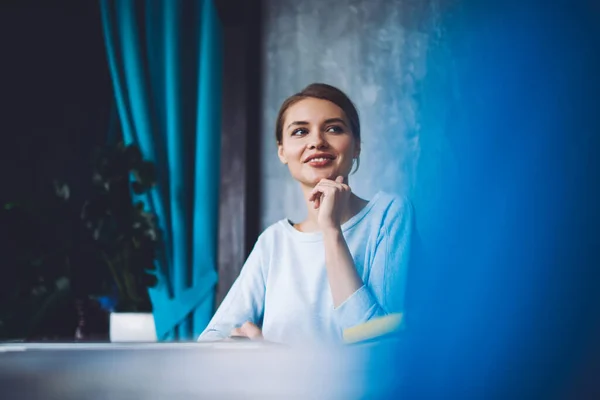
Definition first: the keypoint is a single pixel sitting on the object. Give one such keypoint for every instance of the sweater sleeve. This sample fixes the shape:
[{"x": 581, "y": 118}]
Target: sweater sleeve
[
  {"x": 244, "y": 301},
  {"x": 385, "y": 291}
]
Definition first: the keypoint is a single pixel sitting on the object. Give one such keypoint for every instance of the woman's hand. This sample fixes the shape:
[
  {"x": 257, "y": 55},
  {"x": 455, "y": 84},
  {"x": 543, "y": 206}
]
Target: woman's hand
[
  {"x": 331, "y": 198},
  {"x": 249, "y": 330}
]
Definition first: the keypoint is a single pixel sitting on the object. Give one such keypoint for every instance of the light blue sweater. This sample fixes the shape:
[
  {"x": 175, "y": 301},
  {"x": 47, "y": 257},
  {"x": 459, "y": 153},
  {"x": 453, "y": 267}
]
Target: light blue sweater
[{"x": 283, "y": 285}]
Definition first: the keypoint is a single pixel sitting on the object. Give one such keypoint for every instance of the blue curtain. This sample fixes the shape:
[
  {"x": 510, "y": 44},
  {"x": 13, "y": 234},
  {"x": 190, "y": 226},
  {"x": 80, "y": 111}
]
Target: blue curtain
[{"x": 165, "y": 63}]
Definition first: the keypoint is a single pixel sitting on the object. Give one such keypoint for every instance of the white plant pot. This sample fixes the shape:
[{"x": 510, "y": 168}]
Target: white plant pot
[{"x": 132, "y": 327}]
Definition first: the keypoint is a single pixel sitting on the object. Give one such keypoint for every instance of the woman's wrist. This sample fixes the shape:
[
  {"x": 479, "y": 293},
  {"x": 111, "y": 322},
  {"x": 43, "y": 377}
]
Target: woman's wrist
[
  {"x": 332, "y": 234},
  {"x": 333, "y": 231}
]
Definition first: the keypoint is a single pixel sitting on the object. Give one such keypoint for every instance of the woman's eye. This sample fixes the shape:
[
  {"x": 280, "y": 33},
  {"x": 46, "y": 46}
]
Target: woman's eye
[
  {"x": 299, "y": 131},
  {"x": 335, "y": 129}
]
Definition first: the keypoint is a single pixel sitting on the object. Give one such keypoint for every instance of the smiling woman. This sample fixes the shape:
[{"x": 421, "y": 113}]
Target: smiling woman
[{"x": 346, "y": 264}]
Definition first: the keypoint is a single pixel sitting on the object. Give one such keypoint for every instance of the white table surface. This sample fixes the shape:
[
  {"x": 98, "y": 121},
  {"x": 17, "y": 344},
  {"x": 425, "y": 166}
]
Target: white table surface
[{"x": 184, "y": 370}]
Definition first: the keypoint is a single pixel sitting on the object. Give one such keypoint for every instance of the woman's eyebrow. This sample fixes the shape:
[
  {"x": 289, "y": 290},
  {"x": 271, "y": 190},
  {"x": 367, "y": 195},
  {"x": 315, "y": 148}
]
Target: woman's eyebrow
[
  {"x": 332, "y": 120},
  {"x": 327, "y": 121},
  {"x": 297, "y": 123}
]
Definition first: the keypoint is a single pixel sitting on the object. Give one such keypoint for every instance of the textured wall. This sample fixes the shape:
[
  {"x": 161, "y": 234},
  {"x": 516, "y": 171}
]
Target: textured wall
[
  {"x": 487, "y": 116},
  {"x": 386, "y": 55}
]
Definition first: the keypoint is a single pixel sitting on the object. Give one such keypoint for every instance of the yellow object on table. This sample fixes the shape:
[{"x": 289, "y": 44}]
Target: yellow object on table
[{"x": 373, "y": 329}]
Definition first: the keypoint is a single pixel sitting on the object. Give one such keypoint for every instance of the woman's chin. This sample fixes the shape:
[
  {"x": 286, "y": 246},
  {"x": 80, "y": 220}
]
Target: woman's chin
[
  {"x": 315, "y": 178},
  {"x": 311, "y": 177}
]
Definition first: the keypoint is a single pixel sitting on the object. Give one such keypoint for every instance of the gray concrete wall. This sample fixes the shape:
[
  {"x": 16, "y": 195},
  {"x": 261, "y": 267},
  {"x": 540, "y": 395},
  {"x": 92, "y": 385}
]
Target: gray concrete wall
[{"x": 390, "y": 58}]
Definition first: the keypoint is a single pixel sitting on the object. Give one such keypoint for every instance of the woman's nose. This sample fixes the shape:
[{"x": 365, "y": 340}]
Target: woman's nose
[{"x": 317, "y": 141}]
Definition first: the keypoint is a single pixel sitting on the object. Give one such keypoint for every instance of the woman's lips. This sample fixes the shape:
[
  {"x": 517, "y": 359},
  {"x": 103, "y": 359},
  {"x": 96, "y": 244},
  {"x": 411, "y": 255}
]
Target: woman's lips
[{"x": 320, "y": 162}]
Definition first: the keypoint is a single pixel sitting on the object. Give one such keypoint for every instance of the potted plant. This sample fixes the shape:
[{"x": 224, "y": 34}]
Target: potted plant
[
  {"x": 69, "y": 263},
  {"x": 125, "y": 235}
]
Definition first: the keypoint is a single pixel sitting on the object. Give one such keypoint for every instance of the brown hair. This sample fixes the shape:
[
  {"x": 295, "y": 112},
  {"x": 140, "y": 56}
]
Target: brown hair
[
  {"x": 327, "y": 92},
  {"x": 324, "y": 92}
]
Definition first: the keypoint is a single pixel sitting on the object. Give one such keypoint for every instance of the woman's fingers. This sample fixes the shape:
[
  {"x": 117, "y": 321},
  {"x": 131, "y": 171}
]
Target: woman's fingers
[
  {"x": 337, "y": 184},
  {"x": 321, "y": 188},
  {"x": 325, "y": 187},
  {"x": 315, "y": 197},
  {"x": 252, "y": 331},
  {"x": 248, "y": 330},
  {"x": 237, "y": 332},
  {"x": 313, "y": 194}
]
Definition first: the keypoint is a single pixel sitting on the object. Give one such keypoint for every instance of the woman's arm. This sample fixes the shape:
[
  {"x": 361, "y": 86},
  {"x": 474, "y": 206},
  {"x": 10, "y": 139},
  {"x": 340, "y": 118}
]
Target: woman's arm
[
  {"x": 332, "y": 199},
  {"x": 385, "y": 293},
  {"x": 341, "y": 271},
  {"x": 354, "y": 302},
  {"x": 244, "y": 301}
]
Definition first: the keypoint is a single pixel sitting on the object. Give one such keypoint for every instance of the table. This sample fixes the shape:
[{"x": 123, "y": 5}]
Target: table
[{"x": 195, "y": 370}]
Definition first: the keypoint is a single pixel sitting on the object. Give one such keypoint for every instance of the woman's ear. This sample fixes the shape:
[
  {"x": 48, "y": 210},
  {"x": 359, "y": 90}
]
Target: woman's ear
[
  {"x": 357, "y": 151},
  {"x": 280, "y": 154}
]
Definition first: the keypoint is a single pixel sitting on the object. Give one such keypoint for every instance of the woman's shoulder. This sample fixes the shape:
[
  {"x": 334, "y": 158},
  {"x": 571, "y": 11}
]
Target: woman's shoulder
[
  {"x": 393, "y": 199},
  {"x": 272, "y": 232},
  {"x": 392, "y": 209},
  {"x": 269, "y": 239},
  {"x": 392, "y": 204}
]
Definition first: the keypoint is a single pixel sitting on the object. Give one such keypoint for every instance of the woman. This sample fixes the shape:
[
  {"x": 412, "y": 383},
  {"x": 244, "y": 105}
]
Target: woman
[{"x": 342, "y": 266}]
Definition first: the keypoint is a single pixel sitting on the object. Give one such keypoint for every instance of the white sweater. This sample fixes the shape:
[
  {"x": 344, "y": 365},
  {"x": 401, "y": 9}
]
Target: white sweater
[{"x": 283, "y": 285}]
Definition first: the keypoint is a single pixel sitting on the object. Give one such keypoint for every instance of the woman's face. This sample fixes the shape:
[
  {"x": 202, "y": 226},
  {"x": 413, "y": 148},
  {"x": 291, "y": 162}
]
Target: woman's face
[{"x": 317, "y": 142}]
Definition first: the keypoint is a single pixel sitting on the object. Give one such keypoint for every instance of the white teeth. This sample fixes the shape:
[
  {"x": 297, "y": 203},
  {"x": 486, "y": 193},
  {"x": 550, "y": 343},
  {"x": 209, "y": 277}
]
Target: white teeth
[{"x": 319, "y": 159}]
